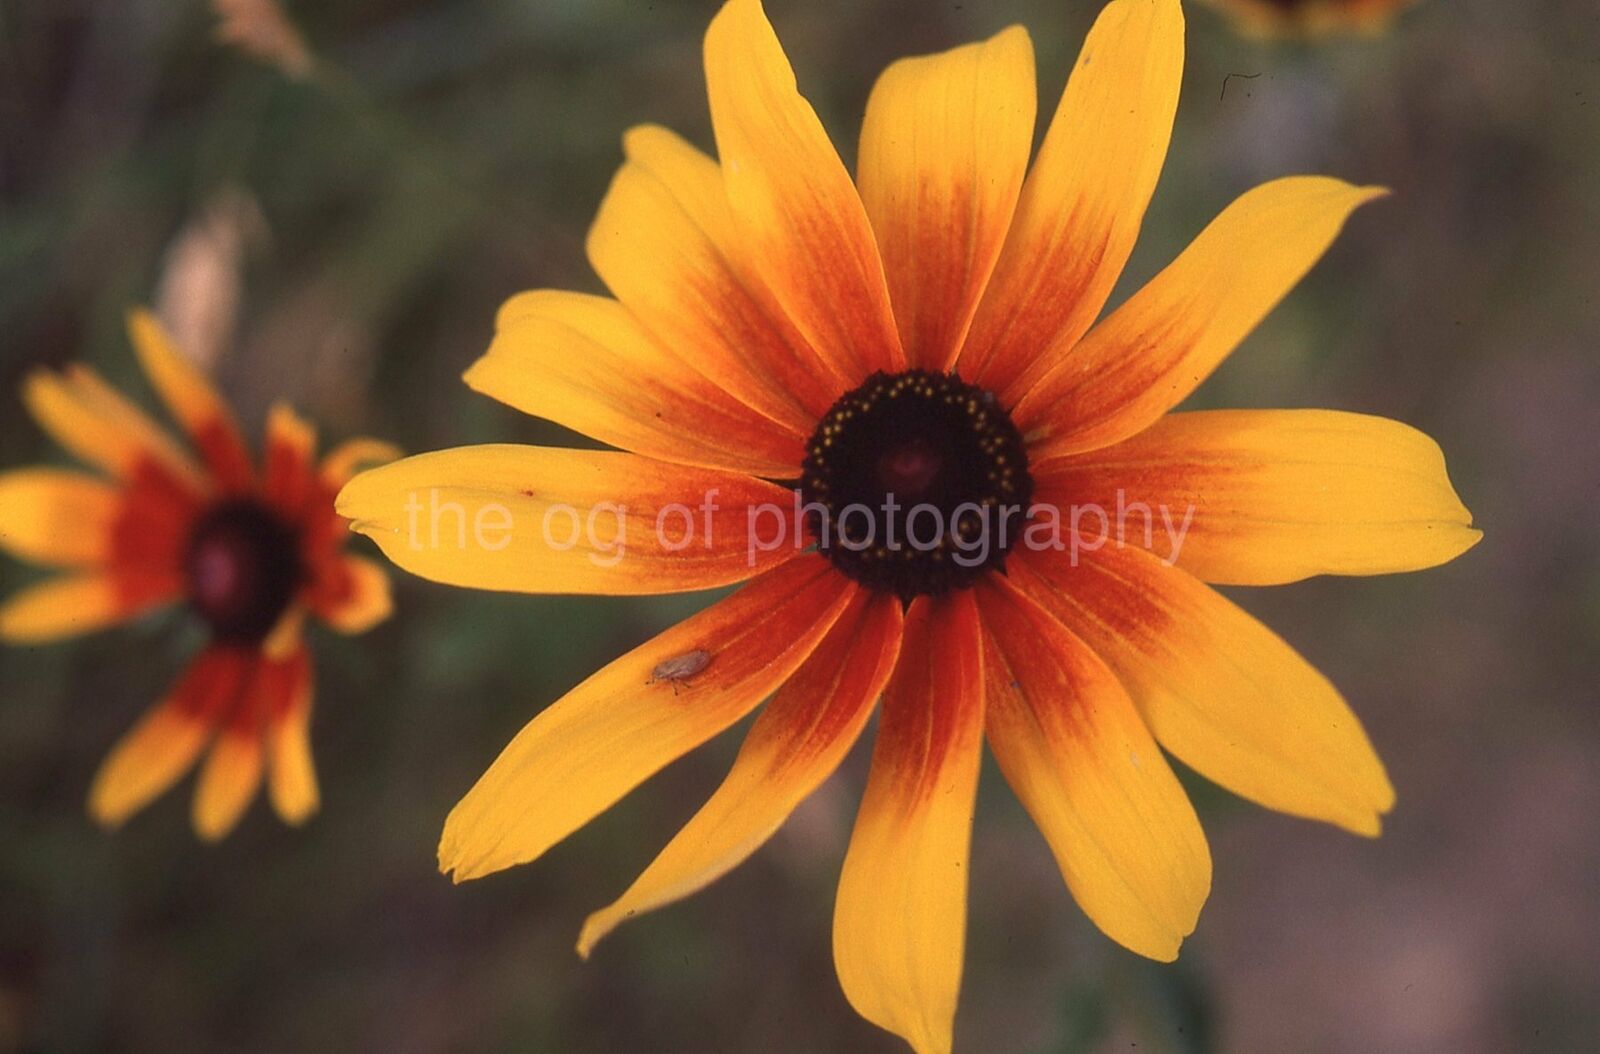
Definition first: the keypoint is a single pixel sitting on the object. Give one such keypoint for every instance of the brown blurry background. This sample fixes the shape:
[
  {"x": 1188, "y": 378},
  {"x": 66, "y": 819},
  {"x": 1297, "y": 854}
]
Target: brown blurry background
[{"x": 344, "y": 240}]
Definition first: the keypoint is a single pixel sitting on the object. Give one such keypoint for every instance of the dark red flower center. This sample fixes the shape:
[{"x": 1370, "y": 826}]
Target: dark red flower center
[
  {"x": 916, "y": 483},
  {"x": 243, "y": 567}
]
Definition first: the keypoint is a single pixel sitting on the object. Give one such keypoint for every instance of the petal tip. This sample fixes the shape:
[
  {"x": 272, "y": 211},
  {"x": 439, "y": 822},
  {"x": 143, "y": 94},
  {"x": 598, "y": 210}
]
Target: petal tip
[
  {"x": 1368, "y": 194},
  {"x": 594, "y": 929},
  {"x": 106, "y": 814},
  {"x": 297, "y": 815}
]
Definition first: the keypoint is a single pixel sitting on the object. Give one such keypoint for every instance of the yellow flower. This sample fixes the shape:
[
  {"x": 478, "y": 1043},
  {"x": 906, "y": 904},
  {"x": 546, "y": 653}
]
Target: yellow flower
[
  {"x": 1309, "y": 18},
  {"x": 249, "y": 553},
  {"x": 930, "y": 337}
]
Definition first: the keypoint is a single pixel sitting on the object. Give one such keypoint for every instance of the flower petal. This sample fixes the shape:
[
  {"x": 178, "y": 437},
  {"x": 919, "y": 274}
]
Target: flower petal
[
  {"x": 353, "y": 595},
  {"x": 1155, "y": 349},
  {"x": 899, "y": 924},
  {"x": 1218, "y": 689},
  {"x": 291, "y": 774},
  {"x": 582, "y": 361},
  {"x": 1262, "y": 497},
  {"x": 57, "y": 517},
  {"x": 1081, "y": 761},
  {"x": 1306, "y": 21},
  {"x": 151, "y": 532},
  {"x": 944, "y": 148},
  {"x": 228, "y": 783},
  {"x": 232, "y": 772},
  {"x": 545, "y": 520},
  {"x": 800, "y": 738},
  {"x": 1085, "y": 198},
  {"x": 344, "y": 460},
  {"x": 193, "y": 401},
  {"x": 96, "y": 424},
  {"x": 289, "y": 473},
  {"x": 797, "y": 212},
  {"x": 625, "y": 723},
  {"x": 666, "y": 245},
  {"x": 73, "y": 605},
  {"x": 165, "y": 743}
]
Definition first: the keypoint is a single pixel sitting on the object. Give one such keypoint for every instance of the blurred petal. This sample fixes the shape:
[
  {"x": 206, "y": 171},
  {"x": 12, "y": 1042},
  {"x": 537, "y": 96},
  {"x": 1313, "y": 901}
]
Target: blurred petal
[
  {"x": 231, "y": 774},
  {"x": 287, "y": 636},
  {"x": 900, "y": 921},
  {"x": 624, "y": 723},
  {"x": 800, "y": 738},
  {"x": 57, "y": 517},
  {"x": 72, "y": 605},
  {"x": 290, "y": 460},
  {"x": 1155, "y": 349},
  {"x": 548, "y": 520},
  {"x": 291, "y": 775},
  {"x": 193, "y": 401},
  {"x": 1085, "y": 198},
  {"x": 798, "y": 214},
  {"x": 582, "y": 361},
  {"x": 344, "y": 460},
  {"x": 261, "y": 28},
  {"x": 228, "y": 783},
  {"x": 354, "y": 596},
  {"x": 944, "y": 148},
  {"x": 1083, "y": 764},
  {"x": 1306, "y": 21},
  {"x": 152, "y": 529},
  {"x": 666, "y": 245},
  {"x": 1262, "y": 497},
  {"x": 166, "y": 741},
  {"x": 97, "y": 425},
  {"x": 1218, "y": 689}
]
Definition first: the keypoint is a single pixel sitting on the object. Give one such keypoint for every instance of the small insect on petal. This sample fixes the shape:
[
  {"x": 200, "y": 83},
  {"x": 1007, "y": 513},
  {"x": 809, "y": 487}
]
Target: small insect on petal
[{"x": 679, "y": 668}]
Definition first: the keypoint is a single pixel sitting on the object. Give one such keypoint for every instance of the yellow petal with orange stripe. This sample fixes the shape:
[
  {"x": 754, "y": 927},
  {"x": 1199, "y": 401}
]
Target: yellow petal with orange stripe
[
  {"x": 899, "y": 924},
  {"x": 57, "y": 517},
  {"x": 91, "y": 420},
  {"x": 1219, "y": 690},
  {"x": 1150, "y": 353},
  {"x": 228, "y": 783},
  {"x": 288, "y": 474},
  {"x": 364, "y": 601},
  {"x": 800, "y": 738},
  {"x": 1082, "y": 763},
  {"x": 82, "y": 603},
  {"x": 291, "y": 773},
  {"x": 666, "y": 245},
  {"x": 625, "y": 722},
  {"x": 547, "y": 520},
  {"x": 799, "y": 216},
  {"x": 1085, "y": 198},
  {"x": 1262, "y": 497},
  {"x": 944, "y": 147},
  {"x": 193, "y": 401},
  {"x": 584, "y": 362},
  {"x": 344, "y": 460},
  {"x": 166, "y": 742}
]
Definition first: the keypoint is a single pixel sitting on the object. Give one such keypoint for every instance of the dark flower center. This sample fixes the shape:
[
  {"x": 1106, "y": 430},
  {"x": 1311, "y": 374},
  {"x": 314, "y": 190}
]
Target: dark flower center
[
  {"x": 243, "y": 566},
  {"x": 916, "y": 483}
]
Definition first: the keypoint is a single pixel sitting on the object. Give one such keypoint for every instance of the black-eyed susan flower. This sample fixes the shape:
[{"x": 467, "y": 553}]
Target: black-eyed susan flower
[
  {"x": 889, "y": 405},
  {"x": 1311, "y": 17},
  {"x": 248, "y": 552}
]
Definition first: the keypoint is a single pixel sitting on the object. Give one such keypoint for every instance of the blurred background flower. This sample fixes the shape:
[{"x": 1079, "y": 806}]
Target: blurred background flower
[
  {"x": 442, "y": 154},
  {"x": 245, "y": 547},
  {"x": 1311, "y": 18}
]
